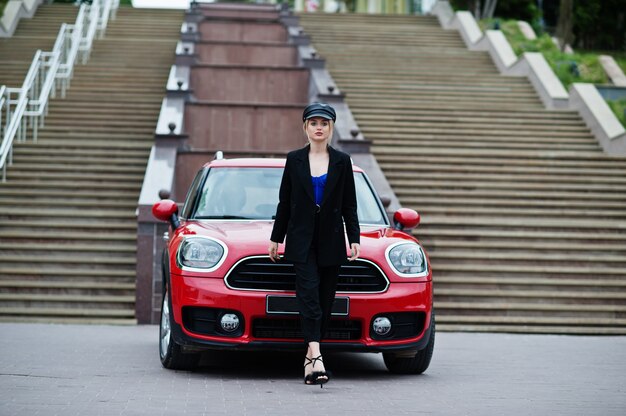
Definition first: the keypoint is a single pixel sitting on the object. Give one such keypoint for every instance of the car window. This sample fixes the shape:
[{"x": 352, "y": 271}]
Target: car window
[
  {"x": 246, "y": 193},
  {"x": 252, "y": 193},
  {"x": 191, "y": 194},
  {"x": 368, "y": 209}
]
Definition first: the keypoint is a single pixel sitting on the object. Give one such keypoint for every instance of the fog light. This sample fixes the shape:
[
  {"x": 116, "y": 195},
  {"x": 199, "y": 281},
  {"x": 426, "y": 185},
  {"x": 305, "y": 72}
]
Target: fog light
[
  {"x": 381, "y": 325},
  {"x": 229, "y": 322}
]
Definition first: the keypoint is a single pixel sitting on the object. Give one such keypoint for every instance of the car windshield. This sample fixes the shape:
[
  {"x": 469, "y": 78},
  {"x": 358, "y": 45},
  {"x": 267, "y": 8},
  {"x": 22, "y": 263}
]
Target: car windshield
[{"x": 252, "y": 193}]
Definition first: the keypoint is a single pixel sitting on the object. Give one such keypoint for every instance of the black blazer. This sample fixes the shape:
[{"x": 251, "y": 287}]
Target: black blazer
[{"x": 295, "y": 214}]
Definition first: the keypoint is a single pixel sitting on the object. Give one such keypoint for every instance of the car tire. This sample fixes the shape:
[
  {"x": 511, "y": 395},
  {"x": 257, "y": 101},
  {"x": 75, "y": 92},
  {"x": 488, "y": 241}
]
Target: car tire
[
  {"x": 398, "y": 363},
  {"x": 171, "y": 354}
]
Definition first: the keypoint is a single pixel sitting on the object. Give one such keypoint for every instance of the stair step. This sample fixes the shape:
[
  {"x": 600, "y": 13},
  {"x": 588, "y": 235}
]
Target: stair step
[
  {"x": 66, "y": 259},
  {"x": 526, "y": 120},
  {"x": 540, "y": 283},
  {"x": 532, "y": 329},
  {"x": 508, "y": 222},
  {"x": 38, "y": 148},
  {"x": 78, "y": 158},
  {"x": 38, "y": 272},
  {"x": 527, "y": 270},
  {"x": 120, "y": 145},
  {"x": 99, "y": 128},
  {"x": 95, "y": 185},
  {"x": 64, "y": 212},
  {"x": 69, "y": 320},
  {"x": 427, "y": 111},
  {"x": 513, "y": 257},
  {"x": 66, "y": 285},
  {"x": 524, "y": 234},
  {"x": 52, "y": 298},
  {"x": 498, "y": 156},
  {"x": 28, "y": 201},
  {"x": 439, "y": 208},
  {"x": 574, "y": 297},
  {"x": 486, "y": 195},
  {"x": 116, "y": 249},
  {"x": 555, "y": 186},
  {"x": 547, "y": 143},
  {"x": 64, "y": 108},
  {"x": 77, "y": 106},
  {"x": 41, "y": 176},
  {"x": 61, "y": 234},
  {"x": 65, "y": 167},
  {"x": 542, "y": 246},
  {"x": 486, "y": 175},
  {"x": 46, "y": 192},
  {"x": 67, "y": 312},
  {"x": 58, "y": 123},
  {"x": 145, "y": 138},
  {"x": 535, "y": 320},
  {"x": 514, "y": 306},
  {"x": 42, "y": 225}
]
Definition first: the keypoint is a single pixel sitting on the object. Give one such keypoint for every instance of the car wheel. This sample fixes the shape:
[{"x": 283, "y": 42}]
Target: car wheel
[
  {"x": 171, "y": 353},
  {"x": 403, "y": 363}
]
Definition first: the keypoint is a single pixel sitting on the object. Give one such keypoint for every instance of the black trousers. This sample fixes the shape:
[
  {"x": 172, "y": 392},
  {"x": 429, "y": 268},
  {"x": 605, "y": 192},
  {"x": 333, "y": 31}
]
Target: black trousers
[{"x": 315, "y": 294}]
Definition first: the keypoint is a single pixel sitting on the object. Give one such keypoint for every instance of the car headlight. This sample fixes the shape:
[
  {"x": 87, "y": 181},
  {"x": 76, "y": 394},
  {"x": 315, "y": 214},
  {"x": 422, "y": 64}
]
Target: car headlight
[
  {"x": 200, "y": 253},
  {"x": 407, "y": 259}
]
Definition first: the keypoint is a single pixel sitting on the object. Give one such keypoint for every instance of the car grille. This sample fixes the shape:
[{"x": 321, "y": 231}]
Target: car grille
[
  {"x": 289, "y": 328},
  {"x": 260, "y": 273}
]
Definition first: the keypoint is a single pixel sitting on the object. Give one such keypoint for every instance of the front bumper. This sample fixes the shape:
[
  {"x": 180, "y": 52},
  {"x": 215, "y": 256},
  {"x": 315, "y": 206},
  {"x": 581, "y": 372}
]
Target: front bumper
[{"x": 251, "y": 305}]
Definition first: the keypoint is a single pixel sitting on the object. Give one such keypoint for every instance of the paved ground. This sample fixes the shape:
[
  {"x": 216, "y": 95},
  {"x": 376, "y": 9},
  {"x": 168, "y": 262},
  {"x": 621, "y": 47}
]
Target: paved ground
[{"x": 106, "y": 370}]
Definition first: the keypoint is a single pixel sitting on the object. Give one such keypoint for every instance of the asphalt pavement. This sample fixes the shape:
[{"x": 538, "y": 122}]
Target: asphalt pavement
[{"x": 115, "y": 370}]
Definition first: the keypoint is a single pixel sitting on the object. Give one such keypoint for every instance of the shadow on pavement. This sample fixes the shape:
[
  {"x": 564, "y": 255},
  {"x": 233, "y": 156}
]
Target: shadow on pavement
[{"x": 255, "y": 364}]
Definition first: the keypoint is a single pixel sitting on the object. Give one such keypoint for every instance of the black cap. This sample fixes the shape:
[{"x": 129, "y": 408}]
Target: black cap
[{"x": 319, "y": 110}]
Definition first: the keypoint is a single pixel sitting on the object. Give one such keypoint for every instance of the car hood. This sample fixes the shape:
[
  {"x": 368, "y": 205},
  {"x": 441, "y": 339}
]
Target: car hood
[
  {"x": 252, "y": 237},
  {"x": 246, "y": 238}
]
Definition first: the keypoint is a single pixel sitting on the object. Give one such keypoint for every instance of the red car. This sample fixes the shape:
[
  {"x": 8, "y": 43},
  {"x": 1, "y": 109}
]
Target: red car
[{"x": 221, "y": 291}]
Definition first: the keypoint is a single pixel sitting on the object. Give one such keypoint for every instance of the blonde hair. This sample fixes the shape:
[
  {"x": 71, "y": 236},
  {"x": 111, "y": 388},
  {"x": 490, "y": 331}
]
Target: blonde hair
[{"x": 331, "y": 125}]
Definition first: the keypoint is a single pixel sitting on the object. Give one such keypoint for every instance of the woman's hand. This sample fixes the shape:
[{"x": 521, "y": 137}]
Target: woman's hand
[
  {"x": 355, "y": 250},
  {"x": 273, "y": 250}
]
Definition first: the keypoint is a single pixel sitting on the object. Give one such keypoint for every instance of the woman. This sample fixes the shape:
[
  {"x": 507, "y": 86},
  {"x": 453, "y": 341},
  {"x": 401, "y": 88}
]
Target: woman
[{"x": 317, "y": 195}]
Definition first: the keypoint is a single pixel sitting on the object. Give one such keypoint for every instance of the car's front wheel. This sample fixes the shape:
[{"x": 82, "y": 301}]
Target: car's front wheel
[
  {"x": 171, "y": 353},
  {"x": 405, "y": 363}
]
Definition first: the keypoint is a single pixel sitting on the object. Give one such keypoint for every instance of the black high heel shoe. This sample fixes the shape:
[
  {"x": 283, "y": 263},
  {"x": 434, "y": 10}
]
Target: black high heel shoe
[{"x": 316, "y": 377}]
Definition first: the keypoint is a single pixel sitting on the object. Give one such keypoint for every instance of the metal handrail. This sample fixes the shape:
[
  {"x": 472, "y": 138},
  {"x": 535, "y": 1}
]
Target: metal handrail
[
  {"x": 87, "y": 39},
  {"x": 38, "y": 105},
  {"x": 14, "y": 128},
  {"x": 41, "y": 80},
  {"x": 115, "y": 4},
  {"x": 15, "y": 124},
  {"x": 103, "y": 18},
  {"x": 67, "y": 44},
  {"x": 3, "y": 100}
]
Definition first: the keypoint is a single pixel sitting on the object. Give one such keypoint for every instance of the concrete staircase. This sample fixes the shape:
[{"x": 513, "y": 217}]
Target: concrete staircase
[
  {"x": 523, "y": 215},
  {"x": 67, "y": 210}
]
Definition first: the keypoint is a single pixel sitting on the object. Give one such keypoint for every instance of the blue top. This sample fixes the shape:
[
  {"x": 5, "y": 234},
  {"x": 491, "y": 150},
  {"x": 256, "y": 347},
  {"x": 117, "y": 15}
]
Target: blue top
[{"x": 319, "y": 182}]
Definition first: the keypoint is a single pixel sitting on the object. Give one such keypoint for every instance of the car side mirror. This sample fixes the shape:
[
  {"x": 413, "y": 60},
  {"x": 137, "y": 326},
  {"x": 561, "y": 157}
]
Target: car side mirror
[
  {"x": 166, "y": 210},
  {"x": 405, "y": 219}
]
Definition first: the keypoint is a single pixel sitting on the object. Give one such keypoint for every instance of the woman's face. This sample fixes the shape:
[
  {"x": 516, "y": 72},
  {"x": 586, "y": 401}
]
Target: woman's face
[{"x": 318, "y": 129}]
